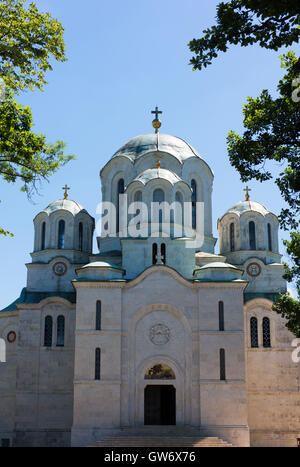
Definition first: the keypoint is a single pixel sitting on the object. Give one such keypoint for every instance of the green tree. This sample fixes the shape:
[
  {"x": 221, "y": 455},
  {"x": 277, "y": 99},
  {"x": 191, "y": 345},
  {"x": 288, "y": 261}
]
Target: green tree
[
  {"x": 272, "y": 130},
  {"x": 28, "y": 41},
  {"x": 271, "y": 24}
]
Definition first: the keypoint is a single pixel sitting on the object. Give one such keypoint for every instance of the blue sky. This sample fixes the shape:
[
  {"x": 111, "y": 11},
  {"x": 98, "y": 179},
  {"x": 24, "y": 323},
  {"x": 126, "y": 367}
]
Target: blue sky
[{"x": 124, "y": 58}]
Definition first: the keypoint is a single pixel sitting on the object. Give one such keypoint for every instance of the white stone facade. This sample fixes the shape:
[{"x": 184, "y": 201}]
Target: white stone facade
[{"x": 88, "y": 328}]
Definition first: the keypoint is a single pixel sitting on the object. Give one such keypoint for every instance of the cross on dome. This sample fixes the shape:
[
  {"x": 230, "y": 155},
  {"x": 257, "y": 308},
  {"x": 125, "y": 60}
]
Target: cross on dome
[
  {"x": 247, "y": 193},
  {"x": 66, "y": 188}
]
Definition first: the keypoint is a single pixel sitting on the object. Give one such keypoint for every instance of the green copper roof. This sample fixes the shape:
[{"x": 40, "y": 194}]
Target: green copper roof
[
  {"x": 37, "y": 297},
  {"x": 269, "y": 295},
  {"x": 101, "y": 264},
  {"x": 142, "y": 144},
  {"x": 218, "y": 265}
]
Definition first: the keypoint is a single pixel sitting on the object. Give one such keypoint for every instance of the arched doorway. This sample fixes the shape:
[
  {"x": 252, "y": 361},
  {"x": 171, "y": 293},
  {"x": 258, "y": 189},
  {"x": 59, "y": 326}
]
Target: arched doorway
[
  {"x": 159, "y": 399},
  {"x": 160, "y": 404}
]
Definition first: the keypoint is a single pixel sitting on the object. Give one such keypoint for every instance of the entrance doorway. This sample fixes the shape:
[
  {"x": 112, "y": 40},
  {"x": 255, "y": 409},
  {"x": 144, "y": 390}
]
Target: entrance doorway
[{"x": 160, "y": 405}]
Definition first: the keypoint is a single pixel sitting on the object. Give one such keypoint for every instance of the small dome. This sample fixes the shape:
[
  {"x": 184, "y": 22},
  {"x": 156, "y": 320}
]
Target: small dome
[
  {"x": 101, "y": 264},
  {"x": 244, "y": 206},
  {"x": 140, "y": 145},
  {"x": 65, "y": 204},
  {"x": 154, "y": 173},
  {"x": 218, "y": 265}
]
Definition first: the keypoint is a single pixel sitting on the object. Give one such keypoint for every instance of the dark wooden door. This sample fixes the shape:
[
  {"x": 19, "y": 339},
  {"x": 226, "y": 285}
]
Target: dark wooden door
[{"x": 160, "y": 405}]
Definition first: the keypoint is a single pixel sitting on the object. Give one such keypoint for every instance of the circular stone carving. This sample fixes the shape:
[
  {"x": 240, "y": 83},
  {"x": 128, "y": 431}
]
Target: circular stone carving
[
  {"x": 159, "y": 334},
  {"x": 59, "y": 269},
  {"x": 253, "y": 269},
  {"x": 11, "y": 337}
]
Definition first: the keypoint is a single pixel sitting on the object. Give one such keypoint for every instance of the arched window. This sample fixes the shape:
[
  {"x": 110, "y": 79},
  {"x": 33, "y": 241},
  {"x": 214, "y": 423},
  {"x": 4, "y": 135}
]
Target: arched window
[
  {"x": 253, "y": 332},
  {"x": 222, "y": 365},
  {"x": 97, "y": 363},
  {"x": 266, "y": 332},
  {"x": 98, "y": 315},
  {"x": 154, "y": 253},
  {"x": 221, "y": 316},
  {"x": 60, "y": 341},
  {"x": 252, "y": 240},
  {"x": 159, "y": 197},
  {"x": 163, "y": 252},
  {"x": 80, "y": 235},
  {"x": 178, "y": 215},
  {"x": 43, "y": 239},
  {"x": 194, "y": 205},
  {"x": 137, "y": 196},
  {"x": 232, "y": 236},
  {"x": 48, "y": 331},
  {"x": 61, "y": 234},
  {"x": 160, "y": 371},
  {"x": 269, "y": 237},
  {"x": 120, "y": 191}
]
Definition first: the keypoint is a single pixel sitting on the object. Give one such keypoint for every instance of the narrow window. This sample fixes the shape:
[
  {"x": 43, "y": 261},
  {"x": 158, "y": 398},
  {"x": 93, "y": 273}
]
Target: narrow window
[
  {"x": 253, "y": 332},
  {"x": 48, "y": 331},
  {"x": 232, "y": 236},
  {"x": 97, "y": 363},
  {"x": 98, "y": 315},
  {"x": 194, "y": 201},
  {"x": 222, "y": 365},
  {"x": 159, "y": 197},
  {"x": 43, "y": 236},
  {"x": 269, "y": 237},
  {"x": 221, "y": 316},
  {"x": 61, "y": 234},
  {"x": 163, "y": 252},
  {"x": 80, "y": 234},
  {"x": 178, "y": 218},
  {"x": 138, "y": 197},
  {"x": 266, "y": 332},
  {"x": 120, "y": 191},
  {"x": 60, "y": 338},
  {"x": 154, "y": 253},
  {"x": 252, "y": 240}
]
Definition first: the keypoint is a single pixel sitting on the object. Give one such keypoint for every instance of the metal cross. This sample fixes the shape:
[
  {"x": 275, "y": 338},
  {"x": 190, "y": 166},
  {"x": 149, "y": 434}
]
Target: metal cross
[
  {"x": 156, "y": 112},
  {"x": 247, "y": 193},
  {"x": 66, "y": 188}
]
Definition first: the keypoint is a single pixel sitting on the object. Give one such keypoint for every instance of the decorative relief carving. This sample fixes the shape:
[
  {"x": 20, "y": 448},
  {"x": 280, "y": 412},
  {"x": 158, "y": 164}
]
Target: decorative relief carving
[
  {"x": 159, "y": 334},
  {"x": 59, "y": 269},
  {"x": 11, "y": 337},
  {"x": 253, "y": 269}
]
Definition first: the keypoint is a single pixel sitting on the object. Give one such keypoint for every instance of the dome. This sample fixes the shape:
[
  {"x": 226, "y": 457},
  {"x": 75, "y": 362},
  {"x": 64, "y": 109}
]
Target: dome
[
  {"x": 140, "y": 145},
  {"x": 101, "y": 264},
  {"x": 244, "y": 206},
  {"x": 66, "y": 204},
  {"x": 154, "y": 173}
]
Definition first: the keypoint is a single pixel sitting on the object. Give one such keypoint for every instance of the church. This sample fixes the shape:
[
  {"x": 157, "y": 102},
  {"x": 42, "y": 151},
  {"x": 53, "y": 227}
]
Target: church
[{"x": 155, "y": 329}]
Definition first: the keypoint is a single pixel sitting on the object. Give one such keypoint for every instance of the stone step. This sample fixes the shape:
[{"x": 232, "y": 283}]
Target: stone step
[{"x": 162, "y": 441}]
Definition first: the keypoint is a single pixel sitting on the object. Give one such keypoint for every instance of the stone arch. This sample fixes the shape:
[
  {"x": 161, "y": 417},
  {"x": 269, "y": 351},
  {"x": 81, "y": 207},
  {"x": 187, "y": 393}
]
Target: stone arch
[
  {"x": 166, "y": 355},
  {"x": 177, "y": 383},
  {"x": 260, "y": 308}
]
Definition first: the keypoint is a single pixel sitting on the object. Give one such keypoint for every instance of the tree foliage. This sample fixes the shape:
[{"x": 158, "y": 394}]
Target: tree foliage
[
  {"x": 272, "y": 134},
  {"x": 271, "y": 24},
  {"x": 272, "y": 129},
  {"x": 25, "y": 155},
  {"x": 29, "y": 40}
]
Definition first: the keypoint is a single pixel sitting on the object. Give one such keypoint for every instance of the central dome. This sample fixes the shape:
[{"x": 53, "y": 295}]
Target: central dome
[{"x": 143, "y": 144}]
